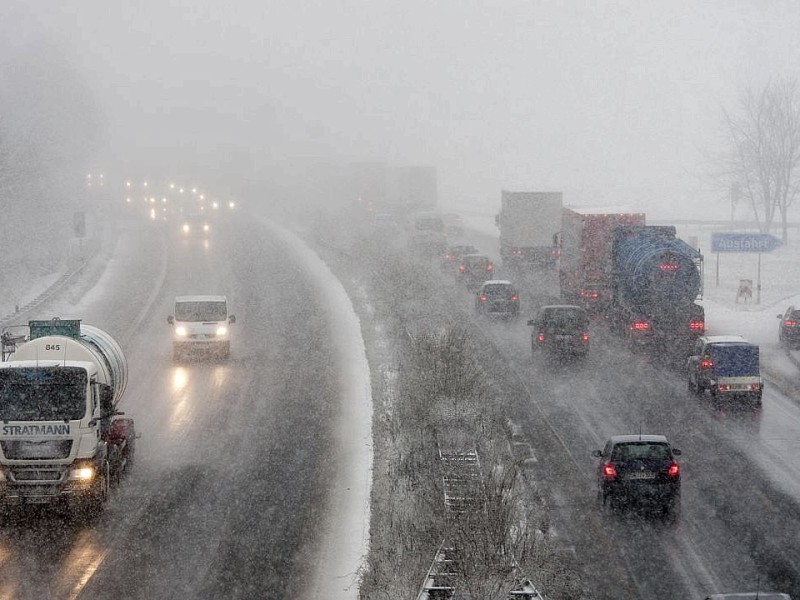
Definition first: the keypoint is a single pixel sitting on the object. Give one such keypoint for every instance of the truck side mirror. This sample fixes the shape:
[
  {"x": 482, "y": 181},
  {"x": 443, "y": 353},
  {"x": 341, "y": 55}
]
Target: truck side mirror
[
  {"x": 171, "y": 320},
  {"x": 231, "y": 319}
]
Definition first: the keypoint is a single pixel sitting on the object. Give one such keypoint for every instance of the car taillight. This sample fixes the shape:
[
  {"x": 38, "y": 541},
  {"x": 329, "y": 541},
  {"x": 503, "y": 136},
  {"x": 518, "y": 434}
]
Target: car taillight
[
  {"x": 515, "y": 298},
  {"x": 462, "y": 268},
  {"x": 674, "y": 470},
  {"x": 540, "y": 337},
  {"x": 516, "y": 252},
  {"x": 640, "y": 326},
  {"x": 585, "y": 337},
  {"x": 754, "y": 387},
  {"x": 724, "y": 387},
  {"x": 490, "y": 267},
  {"x": 591, "y": 294},
  {"x": 609, "y": 472},
  {"x": 706, "y": 363},
  {"x": 790, "y": 323},
  {"x": 484, "y": 298},
  {"x": 697, "y": 326}
]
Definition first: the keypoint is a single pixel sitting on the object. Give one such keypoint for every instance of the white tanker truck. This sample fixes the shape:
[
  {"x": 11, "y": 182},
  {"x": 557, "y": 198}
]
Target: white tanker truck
[{"x": 61, "y": 436}]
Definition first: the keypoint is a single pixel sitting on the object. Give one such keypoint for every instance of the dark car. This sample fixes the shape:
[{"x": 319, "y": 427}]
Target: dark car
[
  {"x": 498, "y": 298},
  {"x": 453, "y": 255},
  {"x": 639, "y": 470},
  {"x": 789, "y": 332},
  {"x": 561, "y": 329},
  {"x": 474, "y": 269}
]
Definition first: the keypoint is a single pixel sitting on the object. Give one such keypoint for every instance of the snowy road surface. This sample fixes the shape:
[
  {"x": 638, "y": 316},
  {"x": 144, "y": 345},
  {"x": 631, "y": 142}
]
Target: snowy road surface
[{"x": 243, "y": 466}]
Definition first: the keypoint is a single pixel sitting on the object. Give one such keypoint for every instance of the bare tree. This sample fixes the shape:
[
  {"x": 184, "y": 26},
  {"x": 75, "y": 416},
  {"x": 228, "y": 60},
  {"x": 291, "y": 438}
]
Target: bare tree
[{"x": 765, "y": 151}]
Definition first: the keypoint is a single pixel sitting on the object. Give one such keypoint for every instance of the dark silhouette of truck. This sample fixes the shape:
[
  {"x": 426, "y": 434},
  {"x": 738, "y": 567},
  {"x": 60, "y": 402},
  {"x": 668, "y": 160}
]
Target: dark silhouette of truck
[{"x": 643, "y": 279}]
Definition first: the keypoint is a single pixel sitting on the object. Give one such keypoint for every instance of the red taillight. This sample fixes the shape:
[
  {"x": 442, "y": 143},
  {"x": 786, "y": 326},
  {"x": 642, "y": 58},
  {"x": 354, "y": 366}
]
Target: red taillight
[
  {"x": 724, "y": 387},
  {"x": 609, "y": 472},
  {"x": 449, "y": 257},
  {"x": 674, "y": 470},
  {"x": 585, "y": 337},
  {"x": 706, "y": 363},
  {"x": 484, "y": 298},
  {"x": 592, "y": 294},
  {"x": 668, "y": 266},
  {"x": 754, "y": 387},
  {"x": 640, "y": 326},
  {"x": 540, "y": 337},
  {"x": 490, "y": 267},
  {"x": 462, "y": 268},
  {"x": 697, "y": 326},
  {"x": 790, "y": 323},
  {"x": 555, "y": 252},
  {"x": 515, "y": 298}
]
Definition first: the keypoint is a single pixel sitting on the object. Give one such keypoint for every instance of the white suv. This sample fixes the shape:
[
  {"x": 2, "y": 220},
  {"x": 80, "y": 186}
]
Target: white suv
[{"x": 200, "y": 323}]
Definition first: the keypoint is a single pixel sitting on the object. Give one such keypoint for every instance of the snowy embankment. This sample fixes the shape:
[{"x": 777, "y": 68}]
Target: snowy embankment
[{"x": 343, "y": 544}]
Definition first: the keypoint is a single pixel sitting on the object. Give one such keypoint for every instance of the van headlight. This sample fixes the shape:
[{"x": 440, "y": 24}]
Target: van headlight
[
  {"x": 222, "y": 330},
  {"x": 180, "y": 331},
  {"x": 81, "y": 473}
]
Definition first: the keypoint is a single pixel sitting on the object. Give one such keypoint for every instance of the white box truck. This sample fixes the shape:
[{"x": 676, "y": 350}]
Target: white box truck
[{"x": 530, "y": 224}]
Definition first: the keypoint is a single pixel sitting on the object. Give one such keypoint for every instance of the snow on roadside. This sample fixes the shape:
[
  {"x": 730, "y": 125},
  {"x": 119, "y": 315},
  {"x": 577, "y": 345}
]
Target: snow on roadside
[{"x": 344, "y": 541}]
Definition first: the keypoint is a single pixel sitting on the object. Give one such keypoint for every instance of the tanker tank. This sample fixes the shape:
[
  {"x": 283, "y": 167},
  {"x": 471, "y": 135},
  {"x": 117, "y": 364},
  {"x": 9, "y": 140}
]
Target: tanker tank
[{"x": 654, "y": 270}]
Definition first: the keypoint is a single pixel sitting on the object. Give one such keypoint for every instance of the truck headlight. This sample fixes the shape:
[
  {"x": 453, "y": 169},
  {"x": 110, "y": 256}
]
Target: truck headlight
[
  {"x": 180, "y": 331},
  {"x": 222, "y": 330},
  {"x": 81, "y": 473}
]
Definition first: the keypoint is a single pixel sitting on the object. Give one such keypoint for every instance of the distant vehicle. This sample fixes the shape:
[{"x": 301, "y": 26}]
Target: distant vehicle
[
  {"x": 561, "y": 329},
  {"x": 200, "y": 323},
  {"x": 639, "y": 470},
  {"x": 426, "y": 233},
  {"x": 193, "y": 226},
  {"x": 529, "y": 223},
  {"x": 453, "y": 254},
  {"x": 497, "y": 298},
  {"x": 453, "y": 224},
  {"x": 474, "y": 269},
  {"x": 789, "y": 330},
  {"x": 643, "y": 279},
  {"x": 727, "y": 366}
]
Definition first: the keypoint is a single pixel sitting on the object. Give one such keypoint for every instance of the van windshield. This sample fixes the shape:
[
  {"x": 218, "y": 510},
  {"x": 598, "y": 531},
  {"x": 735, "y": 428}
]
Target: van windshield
[{"x": 201, "y": 311}]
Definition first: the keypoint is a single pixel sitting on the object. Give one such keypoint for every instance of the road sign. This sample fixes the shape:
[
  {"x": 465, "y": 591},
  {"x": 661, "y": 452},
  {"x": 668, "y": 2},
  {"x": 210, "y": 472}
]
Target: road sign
[{"x": 744, "y": 242}]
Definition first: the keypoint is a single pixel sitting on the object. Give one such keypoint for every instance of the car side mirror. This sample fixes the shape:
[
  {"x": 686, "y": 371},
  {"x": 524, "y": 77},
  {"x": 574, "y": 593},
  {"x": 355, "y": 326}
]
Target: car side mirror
[
  {"x": 231, "y": 319},
  {"x": 171, "y": 320},
  {"x": 597, "y": 453},
  {"x": 780, "y": 316},
  {"x": 676, "y": 452}
]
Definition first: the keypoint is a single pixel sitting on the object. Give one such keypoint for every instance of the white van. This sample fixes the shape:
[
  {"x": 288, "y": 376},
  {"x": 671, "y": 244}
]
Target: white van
[{"x": 199, "y": 324}]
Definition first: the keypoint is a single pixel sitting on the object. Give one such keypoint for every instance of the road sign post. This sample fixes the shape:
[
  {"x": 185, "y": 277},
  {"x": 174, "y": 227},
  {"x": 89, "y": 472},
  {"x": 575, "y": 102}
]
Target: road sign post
[{"x": 744, "y": 242}]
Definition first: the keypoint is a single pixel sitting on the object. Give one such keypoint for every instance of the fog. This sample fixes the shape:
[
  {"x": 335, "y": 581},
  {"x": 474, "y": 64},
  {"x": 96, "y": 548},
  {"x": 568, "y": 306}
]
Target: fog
[{"x": 609, "y": 102}]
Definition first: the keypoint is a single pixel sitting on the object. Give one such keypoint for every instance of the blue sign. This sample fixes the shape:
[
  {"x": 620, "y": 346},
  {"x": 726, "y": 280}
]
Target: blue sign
[{"x": 744, "y": 242}]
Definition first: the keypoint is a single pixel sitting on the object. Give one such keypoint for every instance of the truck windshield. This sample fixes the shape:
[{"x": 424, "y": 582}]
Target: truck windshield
[
  {"x": 735, "y": 360},
  {"x": 42, "y": 393},
  {"x": 201, "y": 311}
]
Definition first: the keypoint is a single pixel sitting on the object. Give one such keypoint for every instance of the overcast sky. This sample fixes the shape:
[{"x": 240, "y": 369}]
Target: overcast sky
[{"x": 611, "y": 102}]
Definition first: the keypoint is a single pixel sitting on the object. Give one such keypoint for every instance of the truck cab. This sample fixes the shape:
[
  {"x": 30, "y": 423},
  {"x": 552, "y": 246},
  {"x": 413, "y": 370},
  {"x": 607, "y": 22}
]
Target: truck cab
[
  {"x": 200, "y": 324},
  {"x": 727, "y": 366}
]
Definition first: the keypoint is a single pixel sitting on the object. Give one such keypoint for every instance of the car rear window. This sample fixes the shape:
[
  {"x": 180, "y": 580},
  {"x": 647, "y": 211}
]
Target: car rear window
[
  {"x": 566, "y": 318},
  {"x": 795, "y": 315},
  {"x": 499, "y": 291},
  {"x": 640, "y": 450}
]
